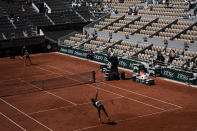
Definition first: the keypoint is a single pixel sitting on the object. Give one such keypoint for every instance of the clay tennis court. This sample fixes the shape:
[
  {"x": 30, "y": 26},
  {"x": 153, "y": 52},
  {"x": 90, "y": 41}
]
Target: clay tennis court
[{"x": 166, "y": 106}]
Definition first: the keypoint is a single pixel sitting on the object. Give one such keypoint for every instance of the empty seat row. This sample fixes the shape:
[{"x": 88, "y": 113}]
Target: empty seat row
[
  {"x": 171, "y": 30},
  {"x": 108, "y": 30},
  {"x": 152, "y": 28},
  {"x": 69, "y": 42},
  {"x": 147, "y": 32},
  {"x": 144, "y": 56},
  {"x": 113, "y": 28},
  {"x": 129, "y": 53},
  {"x": 103, "y": 39},
  {"x": 90, "y": 46},
  {"x": 118, "y": 24},
  {"x": 80, "y": 36},
  {"x": 122, "y": 47},
  {"x": 129, "y": 43},
  {"x": 157, "y": 48},
  {"x": 75, "y": 39},
  {"x": 189, "y": 37},
  {"x": 141, "y": 35},
  {"x": 129, "y": 30},
  {"x": 190, "y": 53},
  {"x": 166, "y": 34},
  {"x": 176, "y": 26},
  {"x": 191, "y": 32},
  {"x": 151, "y": 52},
  {"x": 94, "y": 42}
]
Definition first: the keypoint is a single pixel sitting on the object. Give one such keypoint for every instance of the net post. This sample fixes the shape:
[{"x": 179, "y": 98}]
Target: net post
[{"x": 94, "y": 79}]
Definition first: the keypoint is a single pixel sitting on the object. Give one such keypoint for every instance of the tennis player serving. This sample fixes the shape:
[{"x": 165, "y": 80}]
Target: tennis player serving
[{"x": 99, "y": 106}]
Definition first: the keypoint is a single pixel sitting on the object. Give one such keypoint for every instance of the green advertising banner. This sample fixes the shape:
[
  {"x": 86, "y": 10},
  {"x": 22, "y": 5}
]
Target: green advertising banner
[
  {"x": 178, "y": 75},
  {"x": 74, "y": 52},
  {"x": 100, "y": 58},
  {"x": 174, "y": 74},
  {"x": 128, "y": 64}
]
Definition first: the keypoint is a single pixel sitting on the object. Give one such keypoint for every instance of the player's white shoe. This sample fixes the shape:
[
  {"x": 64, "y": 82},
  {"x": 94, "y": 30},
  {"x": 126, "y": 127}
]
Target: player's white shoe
[{"x": 108, "y": 118}]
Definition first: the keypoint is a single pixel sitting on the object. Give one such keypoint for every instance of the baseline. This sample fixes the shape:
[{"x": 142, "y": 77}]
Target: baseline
[
  {"x": 13, "y": 122},
  {"x": 71, "y": 106},
  {"x": 128, "y": 91},
  {"x": 140, "y": 116},
  {"x": 25, "y": 114}
]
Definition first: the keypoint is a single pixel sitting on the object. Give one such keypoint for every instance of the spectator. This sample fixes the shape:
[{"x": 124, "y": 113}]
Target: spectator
[
  {"x": 170, "y": 5},
  {"x": 130, "y": 10},
  {"x": 172, "y": 55},
  {"x": 155, "y": 2},
  {"x": 90, "y": 54},
  {"x": 105, "y": 5},
  {"x": 150, "y": 8},
  {"x": 111, "y": 52},
  {"x": 191, "y": 64},
  {"x": 160, "y": 57},
  {"x": 164, "y": 53},
  {"x": 190, "y": 5},
  {"x": 146, "y": 5},
  {"x": 116, "y": 12},
  {"x": 134, "y": 10},
  {"x": 186, "y": 65},
  {"x": 85, "y": 32},
  {"x": 186, "y": 2}
]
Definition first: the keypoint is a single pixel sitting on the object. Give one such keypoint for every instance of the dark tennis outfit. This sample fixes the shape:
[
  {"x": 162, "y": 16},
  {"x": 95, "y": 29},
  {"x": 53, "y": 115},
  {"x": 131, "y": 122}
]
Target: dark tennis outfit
[{"x": 100, "y": 107}]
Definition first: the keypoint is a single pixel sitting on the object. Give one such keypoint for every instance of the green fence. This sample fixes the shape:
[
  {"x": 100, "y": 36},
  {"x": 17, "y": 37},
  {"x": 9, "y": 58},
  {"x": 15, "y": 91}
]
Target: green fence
[
  {"x": 175, "y": 74},
  {"x": 128, "y": 64}
]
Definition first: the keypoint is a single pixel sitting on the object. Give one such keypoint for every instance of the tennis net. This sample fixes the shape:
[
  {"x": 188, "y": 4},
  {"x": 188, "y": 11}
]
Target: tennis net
[{"x": 24, "y": 87}]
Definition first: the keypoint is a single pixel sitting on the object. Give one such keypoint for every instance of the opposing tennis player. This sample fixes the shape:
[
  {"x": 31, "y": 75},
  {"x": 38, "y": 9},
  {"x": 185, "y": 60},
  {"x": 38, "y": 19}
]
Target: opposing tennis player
[
  {"x": 99, "y": 106},
  {"x": 27, "y": 57}
]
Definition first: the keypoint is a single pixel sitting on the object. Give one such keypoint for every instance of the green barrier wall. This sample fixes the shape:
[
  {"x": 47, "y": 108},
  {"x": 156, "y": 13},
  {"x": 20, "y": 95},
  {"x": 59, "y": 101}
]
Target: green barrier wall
[
  {"x": 176, "y": 74},
  {"x": 128, "y": 64}
]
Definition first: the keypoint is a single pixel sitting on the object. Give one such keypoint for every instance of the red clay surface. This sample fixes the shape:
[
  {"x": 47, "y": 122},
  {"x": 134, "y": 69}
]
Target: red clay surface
[{"x": 166, "y": 106}]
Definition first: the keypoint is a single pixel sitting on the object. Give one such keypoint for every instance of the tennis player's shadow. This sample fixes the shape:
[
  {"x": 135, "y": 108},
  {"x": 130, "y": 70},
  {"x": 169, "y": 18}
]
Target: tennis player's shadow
[
  {"x": 112, "y": 123},
  {"x": 33, "y": 64}
]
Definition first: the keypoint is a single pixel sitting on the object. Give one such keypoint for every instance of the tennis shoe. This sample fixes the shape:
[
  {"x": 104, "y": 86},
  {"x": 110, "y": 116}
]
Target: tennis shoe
[
  {"x": 108, "y": 118},
  {"x": 99, "y": 119}
]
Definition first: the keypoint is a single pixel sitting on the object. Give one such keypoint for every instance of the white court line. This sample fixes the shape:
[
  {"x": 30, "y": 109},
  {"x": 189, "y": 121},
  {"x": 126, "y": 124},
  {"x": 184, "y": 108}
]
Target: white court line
[
  {"x": 39, "y": 67},
  {"x": 141, "y": 95},
  {"x": 60, "y": 69},
  {"x": 51, "y": 93},
  {"x": 71, "y": 106},
  {"x": 13, "y": 122},
  {"x": 8, "y": 80},
  {"x": 130, "y": 91},
  {"x": 9, "y": 62},
  {"x": 141, "y": 116},
  {"x": 26, "y": 114},
  {"x": 61, "y": 98},
  {"x": 2, "y": 81},
  {"x": 129, "y": 98},
  {"x": 182, "y": 83},
  {"x": 85, "y": 128}
]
